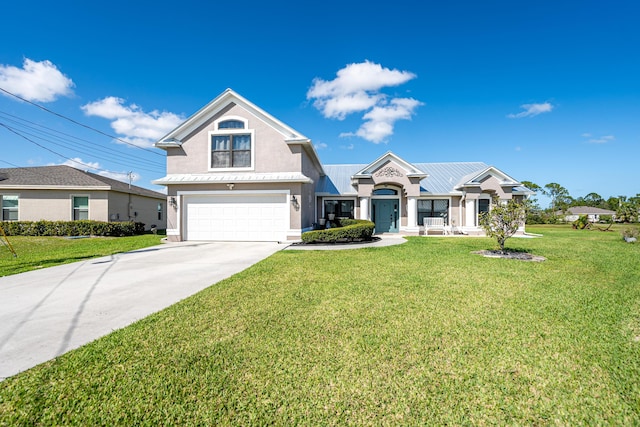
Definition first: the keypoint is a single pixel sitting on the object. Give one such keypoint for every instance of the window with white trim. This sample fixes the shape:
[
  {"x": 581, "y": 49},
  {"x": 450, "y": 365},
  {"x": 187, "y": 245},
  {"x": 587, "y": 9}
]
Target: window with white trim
[
  {"x": 484, "y": 205},
  {"x": 9, "y": 207},
  {"x": 231, "y": 145},
  {"x": 429, "y": 208},
  {"x": 339, "y": 208},
  {"x": 80, "y": 207}
]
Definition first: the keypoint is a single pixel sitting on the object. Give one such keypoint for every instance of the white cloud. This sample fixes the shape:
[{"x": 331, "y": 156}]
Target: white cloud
[
  {"x": 136, "y": 127},
  {"x": 35, "y": 81},
  {"x": 78, "y": 163},
  {"x": 94, "y": 167},
  {"x": 380, "y": 120},
  {"x": 532, "y": 110},
  {"x": 120, "y": 176},
  {"x": 357, "y": 88},
  {"x": 321, "y": 146},
  {"x": 601, "y": 140}
]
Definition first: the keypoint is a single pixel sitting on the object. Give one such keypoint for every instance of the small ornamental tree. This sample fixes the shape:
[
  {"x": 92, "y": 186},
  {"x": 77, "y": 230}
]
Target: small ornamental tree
[{"x": 502, "y": 220}]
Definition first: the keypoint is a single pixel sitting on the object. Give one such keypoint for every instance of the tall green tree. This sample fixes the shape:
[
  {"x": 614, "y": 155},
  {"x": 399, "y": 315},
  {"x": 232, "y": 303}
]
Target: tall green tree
[
  {"x": 532, "y": 201},
  {"x": 559, "y": 195},
  {"x": 594, "y": 200}
]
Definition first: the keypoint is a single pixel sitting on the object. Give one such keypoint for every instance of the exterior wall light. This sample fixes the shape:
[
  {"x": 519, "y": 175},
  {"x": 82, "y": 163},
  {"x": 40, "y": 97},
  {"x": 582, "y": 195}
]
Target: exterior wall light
[{"x": 294, "y": 203}]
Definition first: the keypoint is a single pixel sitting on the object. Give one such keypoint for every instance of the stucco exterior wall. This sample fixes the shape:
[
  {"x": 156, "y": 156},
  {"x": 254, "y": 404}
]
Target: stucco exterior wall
[
  {"x": 57, "y": 205},
  {"x": 308, "y": 191},
  {"x": 125, "y": 207},
  {"x": 271, "y": 153},
  {"x": 492, "y": 185},
  {"x": 455, "y": 211}
]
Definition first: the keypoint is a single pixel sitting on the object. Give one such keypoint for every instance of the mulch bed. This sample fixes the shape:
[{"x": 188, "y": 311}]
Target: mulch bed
[
  {"x": 339, "y": 243},
  {"x": 521, "y": 256}
]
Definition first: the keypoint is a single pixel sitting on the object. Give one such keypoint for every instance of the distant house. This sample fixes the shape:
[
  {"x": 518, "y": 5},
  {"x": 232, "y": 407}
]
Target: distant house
[
  {"x": 63, "y": 193},
  {"x": 593, "y": 214},
  {"x": 234, "y": 172}
]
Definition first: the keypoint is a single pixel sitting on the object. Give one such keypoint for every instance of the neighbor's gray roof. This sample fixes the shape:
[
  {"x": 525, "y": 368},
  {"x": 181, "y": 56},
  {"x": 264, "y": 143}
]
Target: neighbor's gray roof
[
  {"x": 588, "y": 210},
  {"x": 51, "y": 177},
  {"x": 442, "y": 179}
]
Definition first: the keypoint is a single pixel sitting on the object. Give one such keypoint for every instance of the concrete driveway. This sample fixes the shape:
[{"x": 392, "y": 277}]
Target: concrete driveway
[{"x": 48, "y": 312}]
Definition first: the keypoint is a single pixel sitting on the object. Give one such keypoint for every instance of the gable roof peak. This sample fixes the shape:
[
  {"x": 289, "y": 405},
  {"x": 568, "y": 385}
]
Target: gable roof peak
[
  {"x": 410, "y": 168},
  {"x": 473, "y": 179},
  {"x": 215, "y": 106}
]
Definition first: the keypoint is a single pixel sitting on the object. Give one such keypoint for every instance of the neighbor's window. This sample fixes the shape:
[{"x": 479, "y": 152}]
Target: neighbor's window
[
  {"x": 429, "y": 208},
  {"x": 231, "y": 145},
  {"x": 80, "y": 207},
  {"x": 9, "y": 208},
  {"x": 341, "y": 208},
  {"x": 159, "y": 211}
]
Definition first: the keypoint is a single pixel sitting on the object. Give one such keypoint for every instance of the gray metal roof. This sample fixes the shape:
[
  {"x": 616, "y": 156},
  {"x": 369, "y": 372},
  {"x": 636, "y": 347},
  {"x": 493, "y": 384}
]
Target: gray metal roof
[
  {"x": 338, "y": 179},
  {"x": 442, "y": 178},
  {"x": 61, "y": 176}
]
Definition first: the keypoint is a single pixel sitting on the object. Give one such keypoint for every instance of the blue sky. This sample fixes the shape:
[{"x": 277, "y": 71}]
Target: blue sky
[{"x": 546, "y": 91}]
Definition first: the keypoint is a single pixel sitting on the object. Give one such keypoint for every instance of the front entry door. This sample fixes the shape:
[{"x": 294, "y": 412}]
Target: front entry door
[{"x": 385, "y": 215}]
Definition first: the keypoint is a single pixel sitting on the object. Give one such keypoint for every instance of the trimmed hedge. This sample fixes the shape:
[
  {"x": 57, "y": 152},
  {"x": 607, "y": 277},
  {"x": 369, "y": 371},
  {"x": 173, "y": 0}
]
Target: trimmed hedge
[
  {"x": 351, "y": 230},
  {"x": 72, "y": 228}
]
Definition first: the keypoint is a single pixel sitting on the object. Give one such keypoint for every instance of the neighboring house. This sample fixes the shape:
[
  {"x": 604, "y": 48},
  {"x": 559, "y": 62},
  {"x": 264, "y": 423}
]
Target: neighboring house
[
  {"x": 234, "y": 172},
  {"x": 63, "y": 193},
  {"x": 593, "y": 214}
]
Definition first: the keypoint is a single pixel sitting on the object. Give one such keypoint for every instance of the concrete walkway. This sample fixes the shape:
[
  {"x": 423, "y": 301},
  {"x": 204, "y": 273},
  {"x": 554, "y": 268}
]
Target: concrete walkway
[{"x": 48, "y": 312}]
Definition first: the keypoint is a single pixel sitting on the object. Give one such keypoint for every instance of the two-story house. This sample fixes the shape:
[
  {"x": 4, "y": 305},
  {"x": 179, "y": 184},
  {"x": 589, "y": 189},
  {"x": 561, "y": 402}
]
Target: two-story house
[{"x": 236, "y": 173}]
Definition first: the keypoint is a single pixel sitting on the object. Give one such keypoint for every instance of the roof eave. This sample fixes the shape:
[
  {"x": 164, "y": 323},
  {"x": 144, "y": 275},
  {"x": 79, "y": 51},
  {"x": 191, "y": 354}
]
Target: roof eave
[
  {"x": 168, "y": 143},
  {"x": 56, "y": 187},
  {"x": 164, "y": 181}
]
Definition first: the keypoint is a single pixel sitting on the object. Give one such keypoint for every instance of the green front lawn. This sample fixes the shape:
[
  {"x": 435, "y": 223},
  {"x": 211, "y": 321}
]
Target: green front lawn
[
  {"x": 423, "y": 333},
  {"x": 40, "y": 252}
]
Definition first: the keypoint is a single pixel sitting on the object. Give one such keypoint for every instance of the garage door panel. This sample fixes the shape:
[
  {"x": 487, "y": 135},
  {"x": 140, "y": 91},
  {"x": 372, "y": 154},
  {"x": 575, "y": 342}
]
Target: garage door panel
[{"x": 262, "y": 217}]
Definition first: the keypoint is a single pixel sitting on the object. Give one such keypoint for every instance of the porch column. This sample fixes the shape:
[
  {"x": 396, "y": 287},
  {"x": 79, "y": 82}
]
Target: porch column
[
  {"x": 412, "y": 214},
  {"x": 470, "y": 213},
  {"x": 364, "y": 208}
]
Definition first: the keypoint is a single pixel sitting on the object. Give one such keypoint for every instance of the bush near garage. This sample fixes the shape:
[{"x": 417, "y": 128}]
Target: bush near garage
[
  {"x": 348, "y": 230},
  {"x": 72, "y": 228}
]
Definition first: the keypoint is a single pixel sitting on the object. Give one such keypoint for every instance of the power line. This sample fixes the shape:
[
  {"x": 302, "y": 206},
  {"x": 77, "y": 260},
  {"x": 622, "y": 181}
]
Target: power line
[
  {"x": 60, "y": 144},
  {"x": 50, "y": 150},
  {"x": 77, "y": 123},
  {"x": 98, "y": 152},
  {"x": 53, "y": 133}
]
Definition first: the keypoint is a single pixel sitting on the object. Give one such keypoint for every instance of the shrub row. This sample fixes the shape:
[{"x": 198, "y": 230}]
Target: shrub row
[
  {"x": 350, "y": 230},
  {"x": 72, "y": 228}
]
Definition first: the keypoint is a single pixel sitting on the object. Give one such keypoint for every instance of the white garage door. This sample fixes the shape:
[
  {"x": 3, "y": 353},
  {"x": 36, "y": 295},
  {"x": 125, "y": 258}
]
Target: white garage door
[{"x": 241, "y": 217}]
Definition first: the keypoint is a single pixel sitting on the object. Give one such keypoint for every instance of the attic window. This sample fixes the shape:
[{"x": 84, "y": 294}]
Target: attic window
[{"x": 231, "y": 124}]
